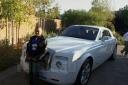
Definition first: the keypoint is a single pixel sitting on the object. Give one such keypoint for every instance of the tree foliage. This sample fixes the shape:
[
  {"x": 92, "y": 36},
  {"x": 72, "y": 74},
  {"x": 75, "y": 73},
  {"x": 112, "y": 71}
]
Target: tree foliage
[
  {"x": 99, "y": 14},
  {"x": 46, "y": 9},
  {"x": 102, "y": 4},
  {"x": 121, "y": 20},
  {"x": 13, "y": 10},
  {"x": 21, "y": 9},
  {"x": 72, "y": 17}
]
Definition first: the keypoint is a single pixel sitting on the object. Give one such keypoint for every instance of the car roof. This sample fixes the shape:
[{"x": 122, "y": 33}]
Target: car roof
[{"x": 94, "y": 26}]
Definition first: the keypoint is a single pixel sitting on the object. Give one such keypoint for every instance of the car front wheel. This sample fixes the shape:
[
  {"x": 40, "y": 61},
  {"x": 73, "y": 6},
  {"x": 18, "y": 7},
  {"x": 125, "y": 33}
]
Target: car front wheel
[{"x": 84, "y": 73}]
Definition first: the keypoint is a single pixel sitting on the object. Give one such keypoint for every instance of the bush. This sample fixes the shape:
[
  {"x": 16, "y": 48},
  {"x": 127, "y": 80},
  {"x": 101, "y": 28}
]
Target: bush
[
  {"x": 9, "y": 55},
  {"x": 4, "y": 43},
  {"x": 120, "y": 39}
]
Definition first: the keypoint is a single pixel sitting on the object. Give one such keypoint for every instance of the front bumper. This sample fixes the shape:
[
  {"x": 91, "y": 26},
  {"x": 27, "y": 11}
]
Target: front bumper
[
  {"x": 56, "y": 77},
  {"x": 51, "y": 75}
]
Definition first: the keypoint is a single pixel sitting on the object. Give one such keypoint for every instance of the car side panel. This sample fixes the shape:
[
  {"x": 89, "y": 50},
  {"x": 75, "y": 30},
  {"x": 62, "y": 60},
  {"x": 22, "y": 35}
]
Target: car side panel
[{"x": 96, "y": 53}]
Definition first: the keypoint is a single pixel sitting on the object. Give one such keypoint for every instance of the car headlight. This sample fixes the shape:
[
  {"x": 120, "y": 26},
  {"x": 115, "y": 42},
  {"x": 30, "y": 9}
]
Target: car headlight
[
  {"x": 61, "y": 62},
  {"x": 77, "y": 55}
]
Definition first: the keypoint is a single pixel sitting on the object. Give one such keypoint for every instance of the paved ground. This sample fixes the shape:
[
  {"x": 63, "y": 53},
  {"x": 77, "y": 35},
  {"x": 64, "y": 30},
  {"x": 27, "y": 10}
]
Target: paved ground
[{"x": 110, "y": 73}]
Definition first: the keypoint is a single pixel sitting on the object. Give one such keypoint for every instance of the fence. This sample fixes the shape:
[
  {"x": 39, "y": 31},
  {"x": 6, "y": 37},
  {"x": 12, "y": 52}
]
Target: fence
[{"x": 17, "y": 31}]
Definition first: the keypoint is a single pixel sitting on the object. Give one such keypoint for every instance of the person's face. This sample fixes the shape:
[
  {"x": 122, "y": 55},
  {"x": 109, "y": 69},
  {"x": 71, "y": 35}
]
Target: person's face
[{"x": 38, "y": 32}]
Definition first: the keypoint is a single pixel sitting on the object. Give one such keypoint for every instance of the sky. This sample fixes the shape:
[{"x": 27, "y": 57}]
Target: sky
[{"x": 86, "y": 4}]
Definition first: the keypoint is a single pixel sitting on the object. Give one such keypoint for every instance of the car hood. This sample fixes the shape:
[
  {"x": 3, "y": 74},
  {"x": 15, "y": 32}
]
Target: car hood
[{"x": 61, "y": 43}]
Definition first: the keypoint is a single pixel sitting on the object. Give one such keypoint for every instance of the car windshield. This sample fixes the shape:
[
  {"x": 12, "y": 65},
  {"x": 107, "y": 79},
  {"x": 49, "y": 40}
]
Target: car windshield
[{"x": 82, "y": 32}]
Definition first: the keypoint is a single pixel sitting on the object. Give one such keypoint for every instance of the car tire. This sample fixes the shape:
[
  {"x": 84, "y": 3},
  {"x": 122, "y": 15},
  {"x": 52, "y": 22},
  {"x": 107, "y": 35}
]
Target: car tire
[
  {"x": 84, "y": 73},
  {"x": 114, "y": 54}
]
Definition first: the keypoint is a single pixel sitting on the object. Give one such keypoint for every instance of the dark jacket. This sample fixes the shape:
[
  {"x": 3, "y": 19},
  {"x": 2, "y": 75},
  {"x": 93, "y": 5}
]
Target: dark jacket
[{"x": 36, "y": 46}]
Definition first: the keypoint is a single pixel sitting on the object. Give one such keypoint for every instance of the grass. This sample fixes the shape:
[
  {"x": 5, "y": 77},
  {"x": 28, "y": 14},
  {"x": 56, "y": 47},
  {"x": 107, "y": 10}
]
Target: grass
[{"x": 9, "y": 56}]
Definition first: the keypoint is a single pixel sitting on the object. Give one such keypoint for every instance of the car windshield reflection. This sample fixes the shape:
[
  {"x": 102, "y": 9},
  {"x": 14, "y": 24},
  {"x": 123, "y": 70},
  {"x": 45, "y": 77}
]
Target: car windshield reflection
[{"x": 82, "y": 32}]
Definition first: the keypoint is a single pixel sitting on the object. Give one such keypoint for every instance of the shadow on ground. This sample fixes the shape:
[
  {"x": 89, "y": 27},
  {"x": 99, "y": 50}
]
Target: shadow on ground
[{"x": 111, "y": 73}]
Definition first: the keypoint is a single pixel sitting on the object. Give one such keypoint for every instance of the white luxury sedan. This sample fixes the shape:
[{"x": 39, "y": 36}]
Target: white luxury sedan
[{"x": 74, "y": 54}]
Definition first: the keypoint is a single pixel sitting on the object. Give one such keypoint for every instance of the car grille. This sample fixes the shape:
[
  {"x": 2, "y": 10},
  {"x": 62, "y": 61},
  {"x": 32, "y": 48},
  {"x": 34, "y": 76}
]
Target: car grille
[{"x": 45, "y": 63}]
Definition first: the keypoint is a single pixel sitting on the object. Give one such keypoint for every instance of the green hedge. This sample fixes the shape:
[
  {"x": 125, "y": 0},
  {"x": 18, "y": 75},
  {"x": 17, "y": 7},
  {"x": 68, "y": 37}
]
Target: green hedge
[
  {"x": 9, "y": 55},
  {"x": 120, "y": 39}
]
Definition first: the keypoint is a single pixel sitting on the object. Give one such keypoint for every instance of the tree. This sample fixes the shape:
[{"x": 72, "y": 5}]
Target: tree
[
  {"x": 102, "y": 4},
  {"x": 53, "y": 12},
  {"x": 46, "y": 10},
  {"x": 13, "y": 10},
  {"x": 121, "y": 19},
  {"x": 101, "y": 14},
  {"x": 17, "y": 11},
  {"x": 8, "y": 12},
  {"x": 72, "y": 17}
]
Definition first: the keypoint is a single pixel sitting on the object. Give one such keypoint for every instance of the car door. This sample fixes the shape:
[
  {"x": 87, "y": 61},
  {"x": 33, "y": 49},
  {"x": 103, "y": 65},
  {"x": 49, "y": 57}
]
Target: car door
[
  {"x": 111, "y": 43},
  {"x": 107, "y": 44},
  {"x": 99, "y": 53},
  {"x": 100, "y": 50}
]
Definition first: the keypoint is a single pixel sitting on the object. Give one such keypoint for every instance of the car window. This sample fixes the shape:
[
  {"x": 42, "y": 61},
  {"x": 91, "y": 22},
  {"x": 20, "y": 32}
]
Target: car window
[
  {"x": 82, "y": 32},
  {"x": 106, "y": 33}
]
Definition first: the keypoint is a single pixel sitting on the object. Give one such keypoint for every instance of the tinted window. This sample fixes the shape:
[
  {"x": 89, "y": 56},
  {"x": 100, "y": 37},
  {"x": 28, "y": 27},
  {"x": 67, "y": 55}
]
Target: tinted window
[{"x": 82, "y": 32}]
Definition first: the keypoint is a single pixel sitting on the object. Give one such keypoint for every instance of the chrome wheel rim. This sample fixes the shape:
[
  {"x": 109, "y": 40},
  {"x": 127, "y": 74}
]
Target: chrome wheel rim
[{"x": 85, "y": 74}]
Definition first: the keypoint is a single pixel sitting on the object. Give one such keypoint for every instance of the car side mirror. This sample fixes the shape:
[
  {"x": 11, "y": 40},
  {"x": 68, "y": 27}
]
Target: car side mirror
[{"x": 104, "y": 38}]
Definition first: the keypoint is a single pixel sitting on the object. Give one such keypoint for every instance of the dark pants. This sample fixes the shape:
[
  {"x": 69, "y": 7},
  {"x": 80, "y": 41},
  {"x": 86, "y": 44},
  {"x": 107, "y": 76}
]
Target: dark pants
[{"x": 33, "y": 73}]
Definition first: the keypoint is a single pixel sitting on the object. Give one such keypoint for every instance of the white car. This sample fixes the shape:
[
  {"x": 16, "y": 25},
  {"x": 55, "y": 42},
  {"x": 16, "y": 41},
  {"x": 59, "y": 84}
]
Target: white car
[{"x": 75, "y": 53}]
